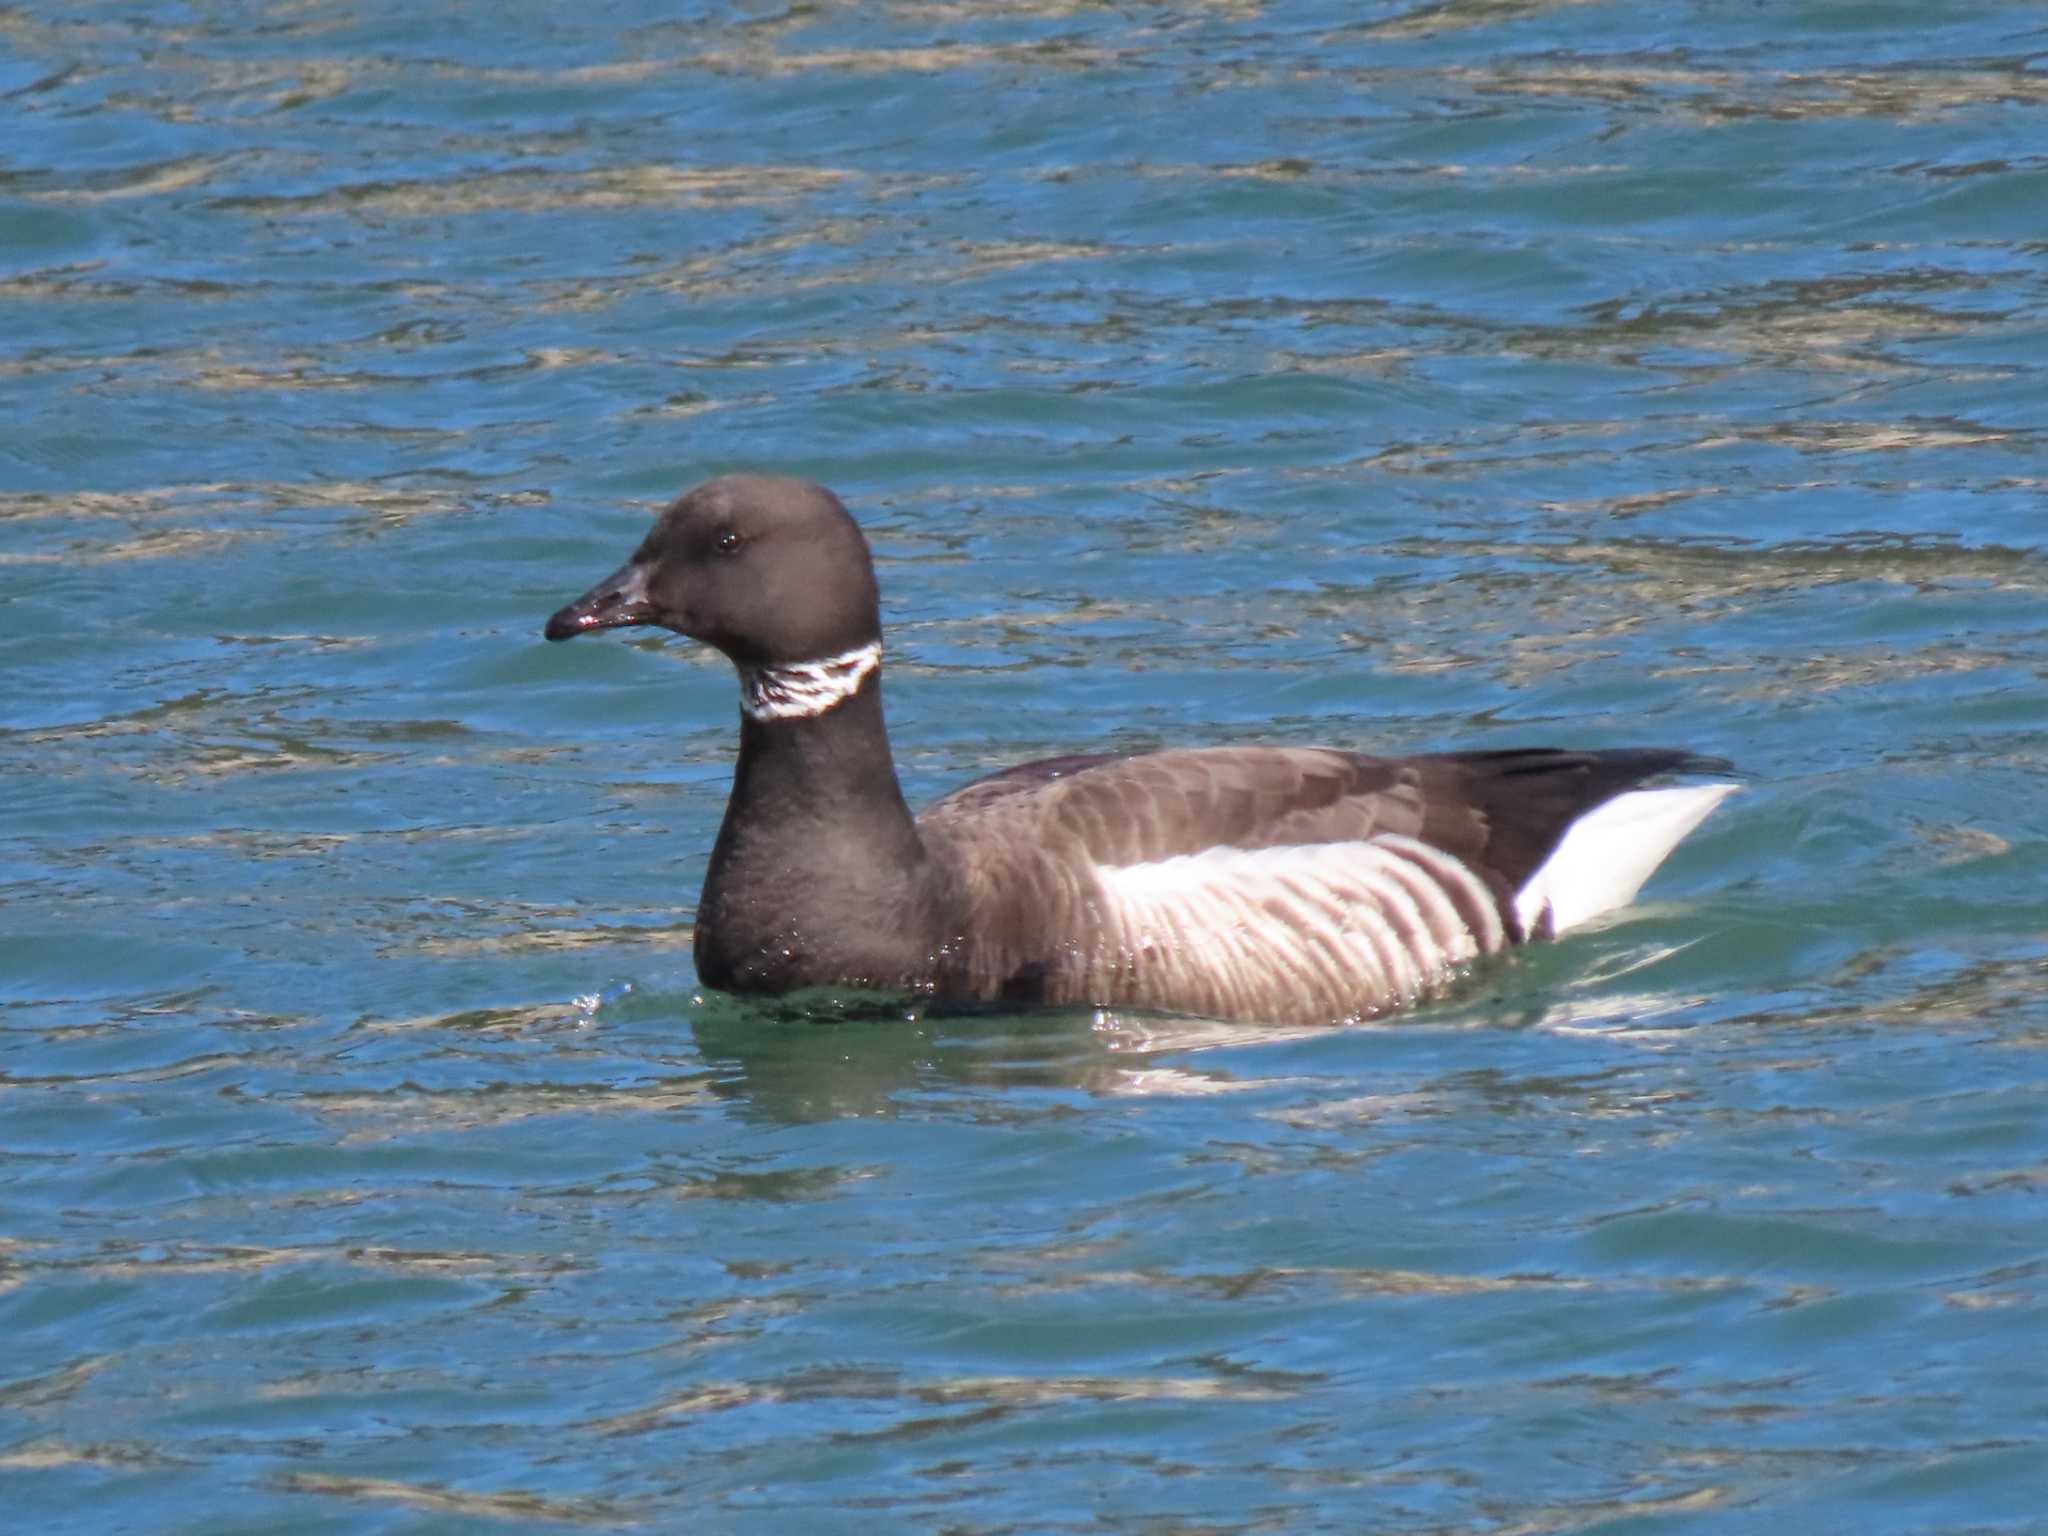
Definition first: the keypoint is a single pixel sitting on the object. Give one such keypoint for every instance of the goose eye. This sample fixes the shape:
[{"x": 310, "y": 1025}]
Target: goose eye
[{"x": 727, "y": 542}]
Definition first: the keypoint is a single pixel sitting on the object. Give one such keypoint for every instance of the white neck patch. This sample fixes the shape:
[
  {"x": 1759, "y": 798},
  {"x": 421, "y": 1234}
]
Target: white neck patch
[{"x": 802, "y": 690}]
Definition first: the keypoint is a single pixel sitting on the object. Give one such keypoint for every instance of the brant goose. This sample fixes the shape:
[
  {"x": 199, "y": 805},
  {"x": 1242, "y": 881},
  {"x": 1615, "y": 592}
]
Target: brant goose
[{"x": 1289, "y": 884}]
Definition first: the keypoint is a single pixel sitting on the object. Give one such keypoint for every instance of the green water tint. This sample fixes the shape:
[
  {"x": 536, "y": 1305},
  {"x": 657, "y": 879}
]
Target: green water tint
[{"x": 1405, "y": 378}]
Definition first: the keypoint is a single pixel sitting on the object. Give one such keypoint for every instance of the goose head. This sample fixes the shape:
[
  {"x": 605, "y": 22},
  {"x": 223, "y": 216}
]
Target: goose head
[{"x": 769, "y": 569}]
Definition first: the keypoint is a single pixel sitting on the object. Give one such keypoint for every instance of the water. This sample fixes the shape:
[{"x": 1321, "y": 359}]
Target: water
[{"x": 1398, "y": 375}]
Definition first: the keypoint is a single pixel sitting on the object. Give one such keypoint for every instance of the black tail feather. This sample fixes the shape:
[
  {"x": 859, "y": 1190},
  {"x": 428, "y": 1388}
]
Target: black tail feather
[{"x": 1529, "y": 796}]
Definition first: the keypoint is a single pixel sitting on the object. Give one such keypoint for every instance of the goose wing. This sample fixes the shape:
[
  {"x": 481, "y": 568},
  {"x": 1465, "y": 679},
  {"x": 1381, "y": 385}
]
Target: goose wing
[
  {"x": 1500, "y": 812},
  {"x": 1289, "y": 883}
]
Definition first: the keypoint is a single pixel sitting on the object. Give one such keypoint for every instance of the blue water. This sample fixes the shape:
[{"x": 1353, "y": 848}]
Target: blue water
[{"x": 1396, "y": 375}]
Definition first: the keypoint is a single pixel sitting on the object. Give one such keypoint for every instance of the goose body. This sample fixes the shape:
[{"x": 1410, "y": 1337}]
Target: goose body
[{"x": 1288, "y": 884}]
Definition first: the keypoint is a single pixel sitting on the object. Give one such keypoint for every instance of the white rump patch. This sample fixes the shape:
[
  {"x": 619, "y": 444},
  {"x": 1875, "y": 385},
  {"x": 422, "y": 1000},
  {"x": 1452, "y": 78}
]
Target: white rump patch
[
  {"x": 1609, "y": 852},
  {"x": 804, "y": 689}
]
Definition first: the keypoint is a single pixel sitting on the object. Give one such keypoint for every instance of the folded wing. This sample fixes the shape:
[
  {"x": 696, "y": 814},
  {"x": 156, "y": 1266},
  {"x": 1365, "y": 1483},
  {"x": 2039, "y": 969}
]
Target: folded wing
[{"x": 1287, "y": 883}]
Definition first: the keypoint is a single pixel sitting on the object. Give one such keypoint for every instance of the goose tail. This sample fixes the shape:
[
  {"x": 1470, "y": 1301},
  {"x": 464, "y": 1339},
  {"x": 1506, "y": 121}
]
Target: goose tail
[{"x": 1606, "y": 854}]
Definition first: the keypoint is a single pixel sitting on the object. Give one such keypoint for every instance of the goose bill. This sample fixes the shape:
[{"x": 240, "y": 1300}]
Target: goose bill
[{"x": 616, "y": 602}]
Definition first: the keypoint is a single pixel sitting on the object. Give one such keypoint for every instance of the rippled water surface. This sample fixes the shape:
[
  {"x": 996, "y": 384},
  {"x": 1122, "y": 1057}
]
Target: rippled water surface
[{"x": 1400, "y": 375}]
